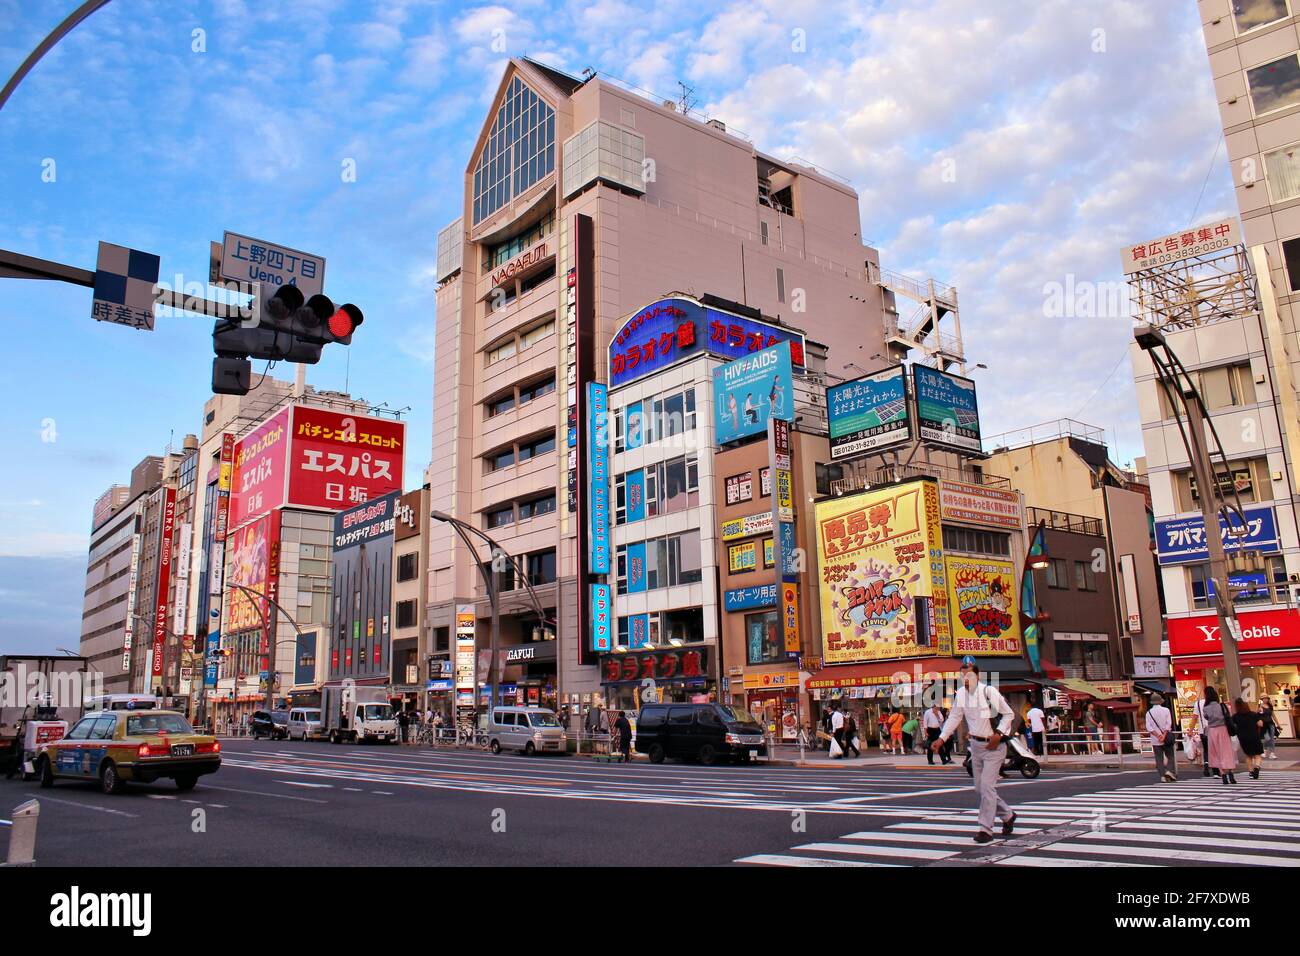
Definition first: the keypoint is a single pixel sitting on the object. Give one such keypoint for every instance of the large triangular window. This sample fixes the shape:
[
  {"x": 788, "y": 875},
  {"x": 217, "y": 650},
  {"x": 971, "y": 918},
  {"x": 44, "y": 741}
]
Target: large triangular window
[{"x": 519, "y": 152}]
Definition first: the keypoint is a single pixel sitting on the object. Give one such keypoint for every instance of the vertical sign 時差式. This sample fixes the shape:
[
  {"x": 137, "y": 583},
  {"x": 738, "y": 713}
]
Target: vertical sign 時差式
[{"x": 779, "y": 452}]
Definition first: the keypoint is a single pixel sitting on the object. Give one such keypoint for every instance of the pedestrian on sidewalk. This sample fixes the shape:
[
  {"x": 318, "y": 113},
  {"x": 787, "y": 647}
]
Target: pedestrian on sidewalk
[
  {"x": 1270, "y": 728},
  {"x": 1203, "y": 730},
  {"x": 896, "y": 732},
  {"x": 850, "y": 737},
  {"x": 1160, "y": 727},
  {"x": 1092, "y": 728},
  {"x": 826, "y": 728},
  {"x": 910, "y": 727},
  {"x": 882, "y": 728},
  {"x": 988, "y": 719},
  {"x": 403, "y": 724},
  {"x": 623, "y": 730},
  {"x": 837, "y": 728},
  {"x": 1037, "y": 726},
  {"x": 1250, "y": 728},
  {"x": 1219, "y": 731},
  {"x": 933, "y": 723}
]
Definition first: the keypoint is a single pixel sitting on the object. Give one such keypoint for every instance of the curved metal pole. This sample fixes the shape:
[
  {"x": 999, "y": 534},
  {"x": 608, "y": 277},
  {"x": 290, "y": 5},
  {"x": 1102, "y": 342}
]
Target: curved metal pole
[
  {"x": 271, "y": 669},
  {"x": 62, "y": 30},
  {"x": 514, "y": 562}
]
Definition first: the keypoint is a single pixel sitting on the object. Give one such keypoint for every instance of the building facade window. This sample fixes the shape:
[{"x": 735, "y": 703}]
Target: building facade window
[
  {"x": 673, "y": 628},
  {"x": 668, "y": 562},
  {"x": 1249, "y": 480},
  {"x": 499, "y": 406},
  {"x": 499, "y": 517},
  {"x": 1085, "y": 579},
  {"x": 541, "y": 568},
  {"x": 1249, "y": 587},
  {"x": 405, "y": 614},
  {"x": 538, "y": 446},
  {"x": 536, "y": 390},
  {"x": 501, "y": 459},
  {"x": 1251, "y": 14},
  {"x": 764, "y": 643},
  {"x": 971, "y": 541},
  {"x": 519, "y": 151},
  {"x": 1276, "y": 85},
  {"x": 537, "y": 506},
  {"x": 408, "y": 567},
  {"x": 504, "y": 251},
  {"x": 1058, "y": 574},
  {"x": 1282, "y": 170}
]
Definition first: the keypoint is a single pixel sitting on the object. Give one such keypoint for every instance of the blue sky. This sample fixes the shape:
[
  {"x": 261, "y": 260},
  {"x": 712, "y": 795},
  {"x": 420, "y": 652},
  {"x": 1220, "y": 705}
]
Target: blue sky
[{"x": 1000, "y": 147}]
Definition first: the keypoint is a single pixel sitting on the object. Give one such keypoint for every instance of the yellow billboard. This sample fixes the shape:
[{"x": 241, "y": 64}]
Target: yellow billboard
[
  {"x": 878, "y": 553},
  {"x": 985, "y": 618}
]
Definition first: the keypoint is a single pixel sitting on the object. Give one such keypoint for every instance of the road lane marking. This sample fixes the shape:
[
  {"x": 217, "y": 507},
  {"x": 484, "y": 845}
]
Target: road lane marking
[
  {"x": 262, "y": 793},
  {"x": 302, "y": 783},
  {"x": 90, "y": 806},
  {"x": 777, "y": 859}
]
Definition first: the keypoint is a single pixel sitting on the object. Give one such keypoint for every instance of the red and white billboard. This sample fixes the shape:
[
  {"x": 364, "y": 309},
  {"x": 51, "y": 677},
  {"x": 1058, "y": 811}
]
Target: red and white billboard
[
  {"x": 258, "y": 477},
  {"x": 162, "y": 597},
  {"x": 1260, "y": 631},
  {"x": 337, "y": 461}
]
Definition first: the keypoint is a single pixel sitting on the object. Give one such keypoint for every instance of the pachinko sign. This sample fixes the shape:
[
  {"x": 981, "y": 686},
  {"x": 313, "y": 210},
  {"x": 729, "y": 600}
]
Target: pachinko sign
[
  {"x": 985, "y": 621},
  {"x": 880, "y": 564}
]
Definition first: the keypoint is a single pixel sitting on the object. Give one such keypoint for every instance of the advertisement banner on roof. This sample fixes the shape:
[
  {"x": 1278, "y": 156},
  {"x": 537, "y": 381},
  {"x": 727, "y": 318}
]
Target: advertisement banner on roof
[
  {"x": 258, "y": 472},
  {"x": 880, "y": 562},
  {"x": 336, "y": 461},
  {"x": 677, "y": 328},
  {"x": 947, "y": 412},
  {"x": 868, "y": 413}
]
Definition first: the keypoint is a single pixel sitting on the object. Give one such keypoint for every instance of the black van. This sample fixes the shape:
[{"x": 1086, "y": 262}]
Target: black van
[{"x": 701, "y": 732}]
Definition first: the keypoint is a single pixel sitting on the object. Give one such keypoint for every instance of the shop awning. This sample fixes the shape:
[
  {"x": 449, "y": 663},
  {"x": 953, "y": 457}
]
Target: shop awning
[
  {"x": 1042, "y": 681},
  {"x": 1082, "y": 687},
  {"x": 1203, "y": 661},
  {"x": 1155, "y": 686},
  {"x": 883, "y": 672}
]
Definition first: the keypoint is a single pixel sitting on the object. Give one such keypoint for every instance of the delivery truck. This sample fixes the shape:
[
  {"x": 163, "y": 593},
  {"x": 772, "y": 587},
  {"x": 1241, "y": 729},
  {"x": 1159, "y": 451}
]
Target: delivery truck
[
  {"x": 350, "y": 713},
  {"x": 40, "y": 697}
]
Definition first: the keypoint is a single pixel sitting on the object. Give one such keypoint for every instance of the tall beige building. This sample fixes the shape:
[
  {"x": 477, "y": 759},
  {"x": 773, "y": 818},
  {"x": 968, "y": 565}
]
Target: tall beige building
[{"x": 675, "y": 206}]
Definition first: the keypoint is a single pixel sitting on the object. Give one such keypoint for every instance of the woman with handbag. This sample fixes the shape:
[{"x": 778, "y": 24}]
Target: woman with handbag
[
  {"x": 1249, "y": 726},
  {"x": 1219, "y": 731}
]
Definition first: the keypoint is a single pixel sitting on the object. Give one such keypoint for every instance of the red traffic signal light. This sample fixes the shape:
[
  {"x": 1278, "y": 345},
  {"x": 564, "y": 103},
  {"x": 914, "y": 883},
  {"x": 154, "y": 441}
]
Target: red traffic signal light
[{"x": 344, "y": 322}]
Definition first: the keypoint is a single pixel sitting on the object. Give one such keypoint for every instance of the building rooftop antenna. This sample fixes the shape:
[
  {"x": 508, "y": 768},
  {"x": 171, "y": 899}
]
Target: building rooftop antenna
[{"x": 686, "y": 102}]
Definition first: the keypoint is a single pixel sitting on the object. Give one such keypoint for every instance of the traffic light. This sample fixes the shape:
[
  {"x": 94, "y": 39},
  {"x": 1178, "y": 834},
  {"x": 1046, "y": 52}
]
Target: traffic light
[{"x": 285, "y": 326}]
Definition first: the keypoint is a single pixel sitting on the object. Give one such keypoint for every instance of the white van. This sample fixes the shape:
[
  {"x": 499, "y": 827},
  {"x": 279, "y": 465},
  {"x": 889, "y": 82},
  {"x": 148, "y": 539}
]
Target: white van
[
  {"x": 527, "y": 729},
  {"x": 305, "y": 724}
]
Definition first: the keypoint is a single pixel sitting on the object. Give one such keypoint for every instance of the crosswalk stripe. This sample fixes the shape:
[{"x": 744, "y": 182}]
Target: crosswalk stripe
[
  {"x": 1225, "y": 828},
  {"x": 864, "y": 850},
  {"x": 1167, "y": 838},
  {"x": 1026, "y": 860},
  {"x": 958, "y": 827},
  {"x": 1194, "y": 856},
  {"x": 938, "y": 838},
  {"x": 778, "y": 859}
]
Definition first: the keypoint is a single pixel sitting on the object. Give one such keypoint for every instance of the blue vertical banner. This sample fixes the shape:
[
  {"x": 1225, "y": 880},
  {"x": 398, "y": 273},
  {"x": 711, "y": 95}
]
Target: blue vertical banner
[
  {"x": 598, "y": 477},
  {"x": 634, "y": 489},
  {"x": 636, "y": 582},
  {"x": 601, "y": 616},
  {"x": 638, "y": 632}
]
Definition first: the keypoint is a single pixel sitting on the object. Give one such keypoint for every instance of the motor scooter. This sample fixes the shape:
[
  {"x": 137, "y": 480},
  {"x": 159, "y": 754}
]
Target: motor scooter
[{"x": 1019, "y": 757}]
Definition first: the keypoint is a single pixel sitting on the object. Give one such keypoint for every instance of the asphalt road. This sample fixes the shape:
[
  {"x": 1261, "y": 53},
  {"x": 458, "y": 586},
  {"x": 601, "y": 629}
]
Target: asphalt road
[{"x": 291, "y": 803}]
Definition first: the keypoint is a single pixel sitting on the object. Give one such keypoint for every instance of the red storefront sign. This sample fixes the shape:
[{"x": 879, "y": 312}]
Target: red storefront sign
[
  {"x": 1260, "y": 631},
  {"x": 257, "y": 478},
  {"x": 680, "y": 664},
  {"x": 340, "y": 460}
]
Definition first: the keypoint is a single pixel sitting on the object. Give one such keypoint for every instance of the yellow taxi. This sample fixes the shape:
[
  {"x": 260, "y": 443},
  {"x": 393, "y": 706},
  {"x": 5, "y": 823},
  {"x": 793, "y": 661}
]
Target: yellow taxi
[{"x": 117, "y": 746}]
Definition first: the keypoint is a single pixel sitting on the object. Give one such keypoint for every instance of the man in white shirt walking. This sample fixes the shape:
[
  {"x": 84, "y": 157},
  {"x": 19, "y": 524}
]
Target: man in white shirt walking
[
  {"x": 1037, "y": 727},
  {"x": 933, "y": 723},
  {"x": 988, "y": 719},
  {"x": 837, "y": 728},
  {"x": 1160, "y": 726}
]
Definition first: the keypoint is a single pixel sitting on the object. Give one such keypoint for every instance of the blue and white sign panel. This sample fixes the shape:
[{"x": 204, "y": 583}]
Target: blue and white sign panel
[
  {"x": 602, "y": 609},
  {"x": 677, "y": 328},
  {"x": 245, "y": 259},
  {"x": 1182, "y": 540},
  {"x": 124, "y": 286},
  {"x": 634, "y": 494},
  {"x": 598, "y": 479},
  {"x": 751, "y": 390},
  {"x": 868, "y": 413},
  {"x": 745, "y": 599}
]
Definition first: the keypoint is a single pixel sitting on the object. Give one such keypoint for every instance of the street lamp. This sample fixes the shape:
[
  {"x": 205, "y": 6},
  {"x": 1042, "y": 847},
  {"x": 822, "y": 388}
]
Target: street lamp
[
  {"x": 463, "y": 530},
  {"x": 1175, "y": 379}
]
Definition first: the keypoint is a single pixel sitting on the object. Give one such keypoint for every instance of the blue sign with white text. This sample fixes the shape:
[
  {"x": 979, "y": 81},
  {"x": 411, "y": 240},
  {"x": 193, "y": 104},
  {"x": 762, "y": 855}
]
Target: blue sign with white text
[
  {"x": 636, "y": 582},
  {"x": 598, "y": 478},
  {"x": 744, "y": 599},
  {"x": 1182, "y": 540},
  {"x": 602, "y": 609},
  {"x": 751, "y": 390},
  {"x": 634, "y": 495}
]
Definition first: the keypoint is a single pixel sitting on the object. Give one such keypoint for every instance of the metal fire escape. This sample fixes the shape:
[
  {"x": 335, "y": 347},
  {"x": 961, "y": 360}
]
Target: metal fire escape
[{"x": 923, "y": 329}]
